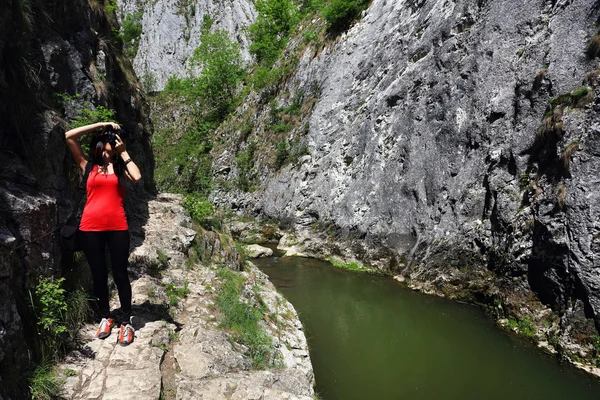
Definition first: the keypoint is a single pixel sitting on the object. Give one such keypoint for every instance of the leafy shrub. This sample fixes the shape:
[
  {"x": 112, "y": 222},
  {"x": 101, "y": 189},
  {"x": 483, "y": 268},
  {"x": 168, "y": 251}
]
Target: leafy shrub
[
  {"x": 148, "y": 82},
  {"x": 288, "y": 151},
  {"x": 184, "y": 166},
  {"x": 340, "y": 14},
  {"x": 50, "y": 305},
  {"x": 524, "y": 326},
  {"x": 282, "y": 151},
  {"x": 275, "y": 21},
  {"x": 197, "y": 207},
  {"x": 266, "y": 79},
  {"x": 244, "y": 163}
]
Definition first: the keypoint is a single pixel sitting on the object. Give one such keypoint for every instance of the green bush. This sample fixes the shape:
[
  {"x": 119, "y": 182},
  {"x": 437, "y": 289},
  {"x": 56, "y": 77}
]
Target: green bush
[
  {"x": 282, "y": 152},
  {"x": 524, "y": 326},
  {"x": 266, "y": 78},
  {"x": 50, "y": 304},
  {"x": 340, "y": 14},
  {"x": 244, "y": 164},
  {"x": 275, "y": 21},
  {"x": 89, "y": 116},
  {"x": 198, "y": 207}
]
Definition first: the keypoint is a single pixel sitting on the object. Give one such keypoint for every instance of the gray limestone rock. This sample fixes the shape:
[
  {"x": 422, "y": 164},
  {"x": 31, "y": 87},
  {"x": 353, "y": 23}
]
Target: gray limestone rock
[
  {"x": 257, "y": 251},
  {"x": 425, "y": 149},
  {"x": 171, "y": 33}
]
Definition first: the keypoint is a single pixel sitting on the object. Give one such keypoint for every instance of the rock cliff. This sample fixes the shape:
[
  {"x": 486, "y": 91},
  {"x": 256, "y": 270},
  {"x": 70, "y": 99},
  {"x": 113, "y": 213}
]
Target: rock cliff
[
  {"x": 57, "y": 58},
  {"x": 453, "y": 144},
  {"x": 171, "y": 33}
]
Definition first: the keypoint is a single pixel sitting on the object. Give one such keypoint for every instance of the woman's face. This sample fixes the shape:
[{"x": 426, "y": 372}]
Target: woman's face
[{"x": 108, "y": 148}]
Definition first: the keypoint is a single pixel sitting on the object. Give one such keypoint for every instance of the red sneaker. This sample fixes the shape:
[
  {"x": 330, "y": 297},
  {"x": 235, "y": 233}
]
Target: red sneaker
[
  {"x": 105, "y": 328},
  {"x": 126, "y": 334}
]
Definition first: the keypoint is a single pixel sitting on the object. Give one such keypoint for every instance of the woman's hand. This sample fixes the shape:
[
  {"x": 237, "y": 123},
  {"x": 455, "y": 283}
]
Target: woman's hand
[
  {"x": 104, "y": 126},
  {"x": 120, "y": 145}
]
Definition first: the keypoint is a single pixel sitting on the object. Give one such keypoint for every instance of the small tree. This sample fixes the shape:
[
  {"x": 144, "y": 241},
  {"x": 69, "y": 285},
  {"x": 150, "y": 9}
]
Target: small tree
[{"x": 222, "y": 69}]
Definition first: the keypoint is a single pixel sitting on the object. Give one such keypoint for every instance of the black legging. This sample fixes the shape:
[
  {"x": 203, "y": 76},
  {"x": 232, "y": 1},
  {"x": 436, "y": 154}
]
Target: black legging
[{"x": 93, "y": 245}]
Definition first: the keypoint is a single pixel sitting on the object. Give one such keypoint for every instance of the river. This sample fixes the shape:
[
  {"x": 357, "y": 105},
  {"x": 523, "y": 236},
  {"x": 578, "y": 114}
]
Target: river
[{"x": 371, "y": 338}]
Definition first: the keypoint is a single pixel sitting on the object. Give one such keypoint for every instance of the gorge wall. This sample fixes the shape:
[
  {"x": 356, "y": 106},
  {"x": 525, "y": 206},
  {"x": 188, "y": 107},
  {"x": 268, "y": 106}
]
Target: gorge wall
[
  {"x": 452, "y": 143},
  {"x": 171, "y": 33},
  {"x": 57, "y": 58}
]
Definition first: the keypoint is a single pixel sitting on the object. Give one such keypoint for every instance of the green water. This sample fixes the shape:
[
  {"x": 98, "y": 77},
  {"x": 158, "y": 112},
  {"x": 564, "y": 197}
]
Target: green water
[{"x": 370, "y": 338}]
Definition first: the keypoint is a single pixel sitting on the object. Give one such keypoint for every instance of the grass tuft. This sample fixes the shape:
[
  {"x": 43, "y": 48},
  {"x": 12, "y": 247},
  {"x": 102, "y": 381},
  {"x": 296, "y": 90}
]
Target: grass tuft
[
  {"x": 244, "y": 319},
  {"x": 568, "y": 153},
  {"x": 561, "y": 196},
  {"x": 44, "y": 383},
  {"x": 524, "y": 327},
  {"x": 351, "y": 266}
]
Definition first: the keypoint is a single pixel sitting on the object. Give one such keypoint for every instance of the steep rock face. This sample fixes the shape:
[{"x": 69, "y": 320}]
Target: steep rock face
[
  {"x": 171, "y": 32},
  {"x": 425, "y": 152},
  {"x": 55, "y": 59}
]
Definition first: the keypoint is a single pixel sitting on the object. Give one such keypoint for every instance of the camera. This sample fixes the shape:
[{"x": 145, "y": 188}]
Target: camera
[{"x": 110, "y": 136}]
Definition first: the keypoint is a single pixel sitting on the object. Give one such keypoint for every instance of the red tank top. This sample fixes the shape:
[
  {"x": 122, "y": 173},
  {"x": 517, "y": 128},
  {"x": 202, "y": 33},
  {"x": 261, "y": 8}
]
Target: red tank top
[{"x": 103, "y": 209}]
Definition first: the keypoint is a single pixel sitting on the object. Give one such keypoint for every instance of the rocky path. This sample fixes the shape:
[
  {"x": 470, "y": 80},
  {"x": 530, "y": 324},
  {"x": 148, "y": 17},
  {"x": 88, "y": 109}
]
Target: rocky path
[{"x": 179, "y": 351}]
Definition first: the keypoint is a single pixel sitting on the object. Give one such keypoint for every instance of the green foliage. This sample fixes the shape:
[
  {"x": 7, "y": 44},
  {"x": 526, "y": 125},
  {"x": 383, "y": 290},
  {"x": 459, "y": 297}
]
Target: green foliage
[
  {"x": 78, "y": 311},
  {"x": 352, "y": 266},
  {"x": 266, "y": 78},
  {"x": 131, "y": 30},
  {"x": 560, "y": 100},
  {"x": 243, "y": 319},
  {"x": 340, "y": 14},
  {"x": 288, "y": 151},
  {"x": 44, "y": 383},
  {"x": 244, "y": 164},
  {"x": 88, "y": 116},
  {"x": 174, "y": 293},
  {"x": 148, "y": 81},
  {"x": 198, "y": 207},
  {"x": 580, "y": 92},
  {"x": 184, "y": 165},
  {"x": 50, "y": 305},
  {"x": 110, "y": 6},
  {"x": 275, "y": 21},
  {"x": 524, "y": 326},
  {"x": 222, "y": 69},
  {"x": 282, "y": 151},
  {"x": 180, "y": 86}
]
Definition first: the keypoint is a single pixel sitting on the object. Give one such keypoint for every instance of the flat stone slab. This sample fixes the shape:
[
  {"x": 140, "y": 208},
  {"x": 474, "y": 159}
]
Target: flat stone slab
[{"x": 114, "y": 371}]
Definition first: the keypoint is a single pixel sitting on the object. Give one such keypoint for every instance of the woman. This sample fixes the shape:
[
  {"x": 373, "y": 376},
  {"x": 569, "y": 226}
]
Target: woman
[{"x": 103, "y": 221}]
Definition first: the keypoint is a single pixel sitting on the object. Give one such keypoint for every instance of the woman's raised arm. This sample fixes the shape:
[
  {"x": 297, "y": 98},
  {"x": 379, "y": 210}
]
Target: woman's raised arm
[{"x": 72, "y": 136}]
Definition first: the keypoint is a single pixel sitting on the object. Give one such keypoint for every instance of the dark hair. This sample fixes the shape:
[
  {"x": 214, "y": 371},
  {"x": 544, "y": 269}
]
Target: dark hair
[{"x": 95, "y": 156}]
